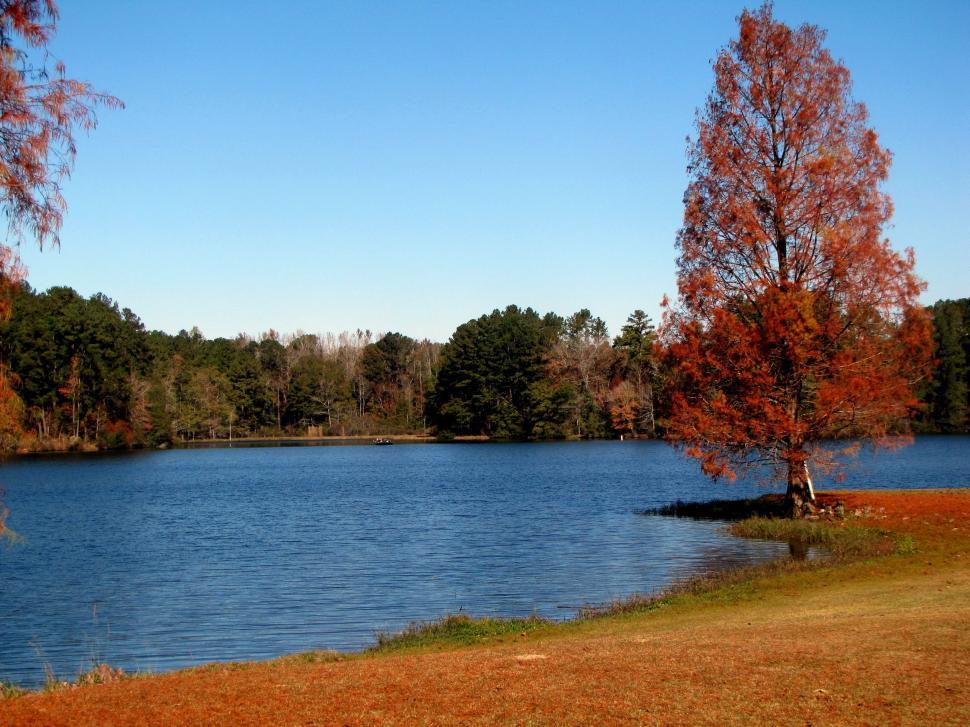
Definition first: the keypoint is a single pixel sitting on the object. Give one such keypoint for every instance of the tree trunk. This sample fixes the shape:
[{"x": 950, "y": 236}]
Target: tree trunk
[{"x": 800, "y": 496}]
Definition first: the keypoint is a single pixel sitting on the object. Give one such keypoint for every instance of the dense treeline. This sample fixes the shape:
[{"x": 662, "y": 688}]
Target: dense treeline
[
  {"x": 946, "y": 396},
  {"x": 515, "y": 374},
  {"x": 82, "y": 373}
]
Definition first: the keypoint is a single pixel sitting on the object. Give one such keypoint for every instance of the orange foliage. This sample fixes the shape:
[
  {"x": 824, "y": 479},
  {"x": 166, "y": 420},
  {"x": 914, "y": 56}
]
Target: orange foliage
[
  {"x": 11, "y": 422},
  {"x": 41, "y": 108},
  {"x": 624, "y": 407},
  {"x": 117, "y": 434},
  {"x": 11, "y": 274},
  {"x": 797, "y": 321},
  {"x": 39, "y": 111},
  {"x": 11, "y": 410}
]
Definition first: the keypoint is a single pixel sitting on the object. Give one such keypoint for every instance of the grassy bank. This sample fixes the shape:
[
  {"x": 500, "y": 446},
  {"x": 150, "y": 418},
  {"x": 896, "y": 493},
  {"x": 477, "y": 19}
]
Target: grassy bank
[{"x": 879, "y": 632}]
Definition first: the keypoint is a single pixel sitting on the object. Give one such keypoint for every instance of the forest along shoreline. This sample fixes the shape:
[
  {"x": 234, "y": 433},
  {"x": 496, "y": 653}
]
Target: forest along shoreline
[
  {"x": 895, "y": 595},
  {"x": 284, "y": 441},
  {"x": 84, "y": 374}
]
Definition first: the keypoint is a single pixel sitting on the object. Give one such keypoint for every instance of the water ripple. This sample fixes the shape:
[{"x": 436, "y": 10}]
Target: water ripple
[{"x": 159, "y": 560}]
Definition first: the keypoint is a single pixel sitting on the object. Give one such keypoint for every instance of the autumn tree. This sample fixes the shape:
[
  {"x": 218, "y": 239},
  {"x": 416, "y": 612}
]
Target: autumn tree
[
  {"x": 11, "y": 411},
  {"x": 624, "y": 407},
  {"x": 40, "y": 108},
  {"x": 11, "y": 406},
  {"x": 796, "y": 319}
]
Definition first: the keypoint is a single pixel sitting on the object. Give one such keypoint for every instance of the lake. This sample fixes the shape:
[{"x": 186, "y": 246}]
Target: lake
[{"x": 157, "y": 560}]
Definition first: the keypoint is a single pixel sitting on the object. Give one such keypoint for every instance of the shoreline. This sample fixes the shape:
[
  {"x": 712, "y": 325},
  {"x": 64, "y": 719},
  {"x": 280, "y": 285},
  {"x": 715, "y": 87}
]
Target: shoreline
[
  {"x": 358, "y": 439},
  {"x": 303, "y": 441},
  {"x": 869, "y": 602},
  {"x": 274, "y": 441}
]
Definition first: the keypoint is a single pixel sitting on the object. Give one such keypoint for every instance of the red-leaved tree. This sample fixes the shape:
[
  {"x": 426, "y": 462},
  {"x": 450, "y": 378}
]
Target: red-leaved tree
[
  {"x": 40, "y": 109},
  {"x": 796, "y": 320}
]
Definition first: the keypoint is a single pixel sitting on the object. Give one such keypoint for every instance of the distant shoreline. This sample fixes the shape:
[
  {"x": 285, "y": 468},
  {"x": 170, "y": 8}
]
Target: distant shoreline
[
  {"x": 279, "y": 441},
  {"x": 333, "y": 439},
  {"x": 303, "y": 441},
  {"x": 346, "y": 440}
]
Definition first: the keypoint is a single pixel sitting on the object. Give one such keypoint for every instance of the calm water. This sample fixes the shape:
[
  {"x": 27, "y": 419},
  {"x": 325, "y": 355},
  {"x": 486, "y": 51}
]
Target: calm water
[{"x": 157, "y": 560}]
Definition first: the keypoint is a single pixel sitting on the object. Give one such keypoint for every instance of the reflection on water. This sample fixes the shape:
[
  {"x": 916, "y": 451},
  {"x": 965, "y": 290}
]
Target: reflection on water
[{"x": 158, "y": 560}]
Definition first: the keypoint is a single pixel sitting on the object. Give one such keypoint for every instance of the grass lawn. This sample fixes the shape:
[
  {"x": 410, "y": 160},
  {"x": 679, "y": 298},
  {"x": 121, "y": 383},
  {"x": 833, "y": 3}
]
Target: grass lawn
[{"x": 873, "y": 639}]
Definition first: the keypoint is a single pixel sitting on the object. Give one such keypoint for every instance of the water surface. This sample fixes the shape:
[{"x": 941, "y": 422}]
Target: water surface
[{"x": 157, "y": 560}]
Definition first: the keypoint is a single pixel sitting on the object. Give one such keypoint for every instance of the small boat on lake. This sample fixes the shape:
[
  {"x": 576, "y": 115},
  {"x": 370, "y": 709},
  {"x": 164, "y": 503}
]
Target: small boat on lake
[{"x": 382, "y": 441}]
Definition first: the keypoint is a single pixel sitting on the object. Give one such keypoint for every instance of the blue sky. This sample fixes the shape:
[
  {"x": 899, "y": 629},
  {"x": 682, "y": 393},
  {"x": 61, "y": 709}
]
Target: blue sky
[{"x": 408, "y": 166}]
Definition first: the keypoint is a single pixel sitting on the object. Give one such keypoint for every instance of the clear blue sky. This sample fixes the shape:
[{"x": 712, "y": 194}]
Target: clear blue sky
[{"x": 408, "y": 166}]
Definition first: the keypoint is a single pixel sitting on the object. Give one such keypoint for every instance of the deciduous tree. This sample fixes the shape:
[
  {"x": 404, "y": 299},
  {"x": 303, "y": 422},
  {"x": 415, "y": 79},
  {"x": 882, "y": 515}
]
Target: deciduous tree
[
  {"x": 582, "y": 357},
  {"x": 797, "y": 320},
  {"x": 40, "y": 108},
  {"x": 11, "y": 411}
]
